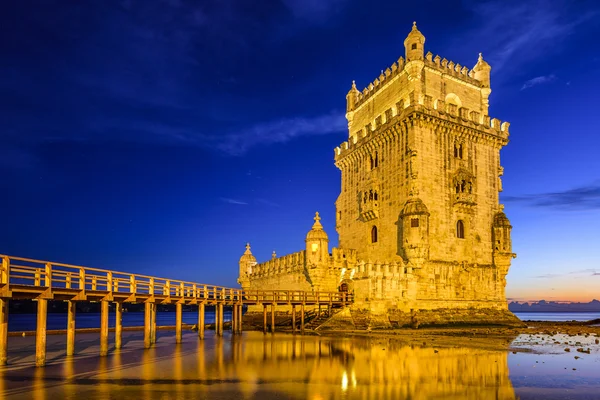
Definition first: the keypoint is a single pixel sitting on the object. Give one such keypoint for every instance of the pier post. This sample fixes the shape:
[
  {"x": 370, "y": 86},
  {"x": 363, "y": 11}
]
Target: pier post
[
  {"x": 234, "y": 319},
  {"x": 201, "y": 321},
  {"x": 103, "y": 328},
  {"x": 240, "y": 315},
  {"x": 302, "y": 318},
  {"x": 118, "y": 325},
  {"x": 294, "y": 318},
  {"x": 40, "y": 333},
  {"x": 152, "y": 323},
  {"x": 3, "y": 330},
  {"x": 273, "y": 318},
  {"x": 178, "y": 323},
  {"x": 70, "y": 327},
  {"x": 264, "y": 318},
  {"x": 147, "y": 323},
  {"x": 221, "y": 318}
]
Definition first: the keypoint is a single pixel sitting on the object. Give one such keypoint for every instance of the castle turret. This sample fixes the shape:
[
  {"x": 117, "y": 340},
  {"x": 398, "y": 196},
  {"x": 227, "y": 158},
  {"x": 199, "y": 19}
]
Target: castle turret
[
  {"x": 481, "y": 72},
  {"x": 317, "y": 244},
  {"x": 351, "y": 97},
  {"x": 414, "y": 44},
  {"x": 501, "y": 234},
  {"x": 247, "y": 262},
  {"x": 415, "y": 231}
]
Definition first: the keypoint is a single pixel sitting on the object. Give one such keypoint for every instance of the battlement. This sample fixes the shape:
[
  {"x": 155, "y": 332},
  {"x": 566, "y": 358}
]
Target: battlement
[
  {"x": 281, "y": 265},
  {"x": 437, "y": 63},
  {"x": 368, "y": 269},
  {"x": 426, "y": 105}
]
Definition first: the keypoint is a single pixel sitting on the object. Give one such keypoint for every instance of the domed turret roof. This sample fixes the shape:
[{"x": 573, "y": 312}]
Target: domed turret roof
[
  {"x": 481, "y": 64},
  {"x": 414, "y": 35},
  {"x": 247, "y": 256},
  {"x": 414, "y": 206},
  {"x": 317, "y": 232},
  {"x": 501, "y": 220}
]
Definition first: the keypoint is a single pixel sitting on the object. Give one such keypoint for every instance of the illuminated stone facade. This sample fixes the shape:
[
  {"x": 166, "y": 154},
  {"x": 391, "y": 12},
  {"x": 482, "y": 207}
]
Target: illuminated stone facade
[{"x": 419, "y": 221}]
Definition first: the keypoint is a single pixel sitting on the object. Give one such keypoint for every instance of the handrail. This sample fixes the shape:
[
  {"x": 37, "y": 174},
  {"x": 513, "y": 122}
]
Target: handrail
[{"x": 54, "y": 275}]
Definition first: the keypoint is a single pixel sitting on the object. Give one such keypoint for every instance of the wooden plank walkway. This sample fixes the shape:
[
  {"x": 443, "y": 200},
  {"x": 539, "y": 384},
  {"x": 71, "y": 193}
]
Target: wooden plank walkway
[{"x": 24, "y": 278}]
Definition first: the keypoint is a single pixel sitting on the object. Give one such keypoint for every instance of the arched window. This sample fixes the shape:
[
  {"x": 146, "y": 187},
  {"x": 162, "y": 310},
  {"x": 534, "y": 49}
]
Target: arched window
[
  {"x": 376, "y": 160},
  {"x": 372, "y": 162},
  {"x": 414, "y": 46},
  {"x": 414, "y": 222},
  {"x": 460, "y": 229},
  {"x": 374, "y": 234}
]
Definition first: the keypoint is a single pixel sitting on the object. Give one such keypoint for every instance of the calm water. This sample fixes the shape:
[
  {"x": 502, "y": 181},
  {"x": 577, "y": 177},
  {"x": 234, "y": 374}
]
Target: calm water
[
  {"x": 280, "y": 366},
  {"x": 547, "y": 316},
  {"x": 27, "y": 322}
]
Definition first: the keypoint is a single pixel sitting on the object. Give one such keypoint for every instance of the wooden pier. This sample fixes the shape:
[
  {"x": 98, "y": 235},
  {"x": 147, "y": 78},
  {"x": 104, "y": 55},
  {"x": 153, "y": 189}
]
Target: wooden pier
[{"x": 23, "y": 278}]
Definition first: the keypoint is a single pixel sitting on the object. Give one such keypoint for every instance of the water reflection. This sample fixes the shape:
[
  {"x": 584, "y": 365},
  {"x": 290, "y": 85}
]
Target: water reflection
[{"x": 276, "y": 366}]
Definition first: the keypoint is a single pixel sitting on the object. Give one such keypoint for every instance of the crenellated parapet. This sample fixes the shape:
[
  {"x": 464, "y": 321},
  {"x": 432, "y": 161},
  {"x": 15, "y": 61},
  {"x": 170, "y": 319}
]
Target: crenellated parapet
[
  {"x": 391, "y": 123},
  {"x": 291, "y": 263}
]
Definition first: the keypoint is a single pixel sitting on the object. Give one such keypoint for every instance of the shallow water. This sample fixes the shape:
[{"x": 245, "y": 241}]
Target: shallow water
[
  {"x": 557, "y": 316},
  {"x": 283, "y": 366}
]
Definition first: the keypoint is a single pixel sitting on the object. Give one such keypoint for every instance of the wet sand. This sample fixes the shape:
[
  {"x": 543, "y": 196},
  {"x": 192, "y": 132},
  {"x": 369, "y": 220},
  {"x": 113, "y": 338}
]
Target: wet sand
[{"x": 458, "y": 363}]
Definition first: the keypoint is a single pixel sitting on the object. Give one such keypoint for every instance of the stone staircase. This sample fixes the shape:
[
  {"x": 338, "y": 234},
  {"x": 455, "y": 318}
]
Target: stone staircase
[{"x": 317, "y": 321}]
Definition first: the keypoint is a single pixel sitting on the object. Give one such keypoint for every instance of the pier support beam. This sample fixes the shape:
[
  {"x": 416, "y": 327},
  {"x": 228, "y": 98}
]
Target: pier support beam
[
  {"x": 220, "y": 319},
  {"x": 264, "y": 319},
  {"x": 118, "y": 325},
  {"x": 240, "y": 317},
  {"x": 70, "y": 327},
  {"x": 40, "y": 333},
  {"x": 178, "y": 323},
  {"x": 273, "y": 318},
  {"x": 3, "y": 330},
  {"x": 201, "y": 321},
  {"x": 152, "y": 323},
  {"x": 103, "y": 328},
  {"x": 147, "y": 323},
  {"x": 294, "y": 318},
  {"x": 233, "y": 319},
  {"x": 302, "y": 318}
]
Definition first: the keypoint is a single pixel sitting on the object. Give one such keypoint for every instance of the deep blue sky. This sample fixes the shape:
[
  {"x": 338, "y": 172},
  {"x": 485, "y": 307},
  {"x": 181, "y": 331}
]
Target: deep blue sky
[{"x": 159, "y": 136}]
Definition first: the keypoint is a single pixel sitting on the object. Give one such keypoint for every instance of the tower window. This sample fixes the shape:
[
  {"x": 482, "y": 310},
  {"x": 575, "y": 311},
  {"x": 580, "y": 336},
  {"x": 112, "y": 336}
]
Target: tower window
[
  {"x": 458, "y": 150},
  {"x": 374, "y": 234},
  {"x": 460, "y": 229},
  {"x": 414, "y": 46},
  {"x": 414, "y": 222}
]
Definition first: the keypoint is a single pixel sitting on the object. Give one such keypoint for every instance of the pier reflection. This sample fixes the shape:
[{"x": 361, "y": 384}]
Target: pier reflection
[{"x": 275, "y": 366}]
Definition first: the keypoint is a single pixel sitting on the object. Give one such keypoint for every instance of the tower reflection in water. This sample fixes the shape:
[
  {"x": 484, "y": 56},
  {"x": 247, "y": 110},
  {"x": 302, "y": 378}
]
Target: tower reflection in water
[{"x": 284, "y": 366}]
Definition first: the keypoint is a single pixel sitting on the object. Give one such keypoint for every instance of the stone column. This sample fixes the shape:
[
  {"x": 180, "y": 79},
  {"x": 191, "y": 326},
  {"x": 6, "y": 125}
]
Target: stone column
[
  {"x": 40, "y": 334},
  {"x": 71, "y": 327}
]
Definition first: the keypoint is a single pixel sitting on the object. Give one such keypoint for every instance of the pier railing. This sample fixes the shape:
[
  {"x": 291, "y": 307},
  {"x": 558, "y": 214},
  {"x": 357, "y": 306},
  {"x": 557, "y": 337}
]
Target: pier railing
[{"x": 25, "y": 278}]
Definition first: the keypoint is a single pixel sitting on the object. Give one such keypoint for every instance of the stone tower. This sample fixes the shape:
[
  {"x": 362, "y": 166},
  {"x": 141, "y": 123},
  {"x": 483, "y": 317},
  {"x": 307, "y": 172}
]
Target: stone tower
[
  {"x": 421, "y": 230},
  {"x": 421, "y": 173}
]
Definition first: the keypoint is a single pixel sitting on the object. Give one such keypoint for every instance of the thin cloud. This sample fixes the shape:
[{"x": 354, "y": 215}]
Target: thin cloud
[
  {"x": 538, "y": 80},
  {"x": 233, "y": 201},
  {"x": 280, "y": 131},
  {"x": 522, "y": 30},
  {"x": 582, "y": 198},
  {"x": 266, "y": 202}
]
